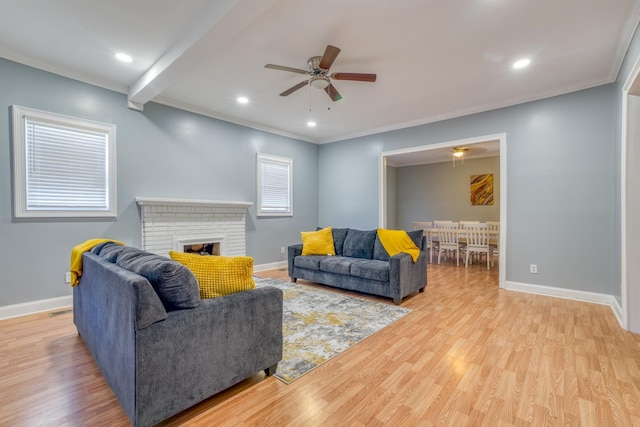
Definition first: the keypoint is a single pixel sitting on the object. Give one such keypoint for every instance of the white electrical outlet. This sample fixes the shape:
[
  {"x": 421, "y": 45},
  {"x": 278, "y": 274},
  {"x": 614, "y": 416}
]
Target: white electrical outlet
[
  {"x": 282, "y": 250},
  {"x": 67, "y": 277},
  {"x": 533, "y": 268}
]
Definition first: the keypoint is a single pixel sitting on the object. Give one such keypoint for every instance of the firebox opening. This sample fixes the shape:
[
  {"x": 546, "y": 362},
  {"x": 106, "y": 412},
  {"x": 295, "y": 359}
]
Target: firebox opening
[{"x": 212, "y": 248}]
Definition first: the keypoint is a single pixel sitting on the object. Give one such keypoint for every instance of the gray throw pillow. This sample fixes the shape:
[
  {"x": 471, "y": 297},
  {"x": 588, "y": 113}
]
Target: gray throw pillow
[
  {"x": 174, "y": 283},
  {"x": 359, "y": 244}
]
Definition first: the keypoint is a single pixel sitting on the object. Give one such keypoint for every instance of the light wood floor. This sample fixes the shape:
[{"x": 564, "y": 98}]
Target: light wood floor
[{"x": 468, "y": 354}]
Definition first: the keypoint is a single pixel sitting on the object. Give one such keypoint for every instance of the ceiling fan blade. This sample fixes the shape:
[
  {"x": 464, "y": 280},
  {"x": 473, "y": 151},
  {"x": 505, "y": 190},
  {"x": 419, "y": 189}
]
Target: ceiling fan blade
[
  {"x": 294, "y": 88},
  {"x": 358, "y": 77},
  {"x": 333, "y": 93},
  {"x": 330, "y": 55},
  {"x": 283, "y": 68}
]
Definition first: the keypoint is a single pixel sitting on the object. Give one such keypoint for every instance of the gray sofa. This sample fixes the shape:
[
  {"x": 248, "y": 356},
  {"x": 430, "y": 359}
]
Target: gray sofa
[
  {"x": 160, "y": 347},
  {"x": 362, "y": 264}
]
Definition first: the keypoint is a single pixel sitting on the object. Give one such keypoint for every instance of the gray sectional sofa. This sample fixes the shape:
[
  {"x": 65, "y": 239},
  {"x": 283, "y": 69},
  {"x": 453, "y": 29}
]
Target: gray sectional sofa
[
  {"x": 160, "y": 347},
  {"x": 362, "y": 264}
]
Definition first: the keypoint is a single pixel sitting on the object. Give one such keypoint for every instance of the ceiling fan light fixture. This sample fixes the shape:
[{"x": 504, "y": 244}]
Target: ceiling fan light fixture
[
  {"x": 458, "y": 153},
  {"x": 320, "y": 82}
]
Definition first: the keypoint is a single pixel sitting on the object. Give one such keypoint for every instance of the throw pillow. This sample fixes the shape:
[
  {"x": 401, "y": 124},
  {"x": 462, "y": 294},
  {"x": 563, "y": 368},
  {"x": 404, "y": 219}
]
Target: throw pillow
[
  {"x": 359, "y": 244},
  {"x": 175, "y": 285},
  {"x": 218, "y": 275},
  {"x": 339, "y": 235},
  {"x": 318, "y": 242}
]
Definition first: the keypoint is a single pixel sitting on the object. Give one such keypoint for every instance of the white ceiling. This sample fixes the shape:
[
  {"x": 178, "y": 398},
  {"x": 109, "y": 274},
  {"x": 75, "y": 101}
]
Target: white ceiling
[{"x": 433, "y": 59}]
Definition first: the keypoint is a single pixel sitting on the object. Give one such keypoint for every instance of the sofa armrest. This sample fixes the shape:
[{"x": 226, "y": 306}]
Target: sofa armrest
[
  {"x": 293, "y": 251},
  {"x": 197, "y": 352},
  {"x": 406, "y": 276}
]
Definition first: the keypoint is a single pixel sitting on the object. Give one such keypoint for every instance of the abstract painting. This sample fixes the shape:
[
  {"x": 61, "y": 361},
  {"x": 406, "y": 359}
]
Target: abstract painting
[{"x": 482, "y": 189}]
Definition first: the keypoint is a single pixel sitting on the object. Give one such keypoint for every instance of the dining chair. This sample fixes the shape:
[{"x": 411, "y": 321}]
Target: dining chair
[
  {"x": 426, "y": 226},
  {"x": 448, "y": 239},
  {"x": 477, "y": 236},
  {"x": 494, "y": 238}
]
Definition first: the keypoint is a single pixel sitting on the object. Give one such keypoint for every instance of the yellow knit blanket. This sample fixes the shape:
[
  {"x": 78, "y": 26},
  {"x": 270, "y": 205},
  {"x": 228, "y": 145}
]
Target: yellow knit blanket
[
  {"x": 76, "y": 257},
  {"x": 396, "y": 241}
]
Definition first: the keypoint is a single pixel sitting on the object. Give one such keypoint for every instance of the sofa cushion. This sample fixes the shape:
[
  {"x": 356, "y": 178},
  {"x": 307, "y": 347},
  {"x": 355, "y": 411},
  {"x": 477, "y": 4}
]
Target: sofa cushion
[
  {"x": 371, "y": 269},
  {"x": 219, "y": 275},
  {"x": 311, "y": 262},
  {"x": 317, "y": 242},
  {"x": 175, "y": 285},
  {"x": 379, "y": 252},
  {"x": 359, "y": 244},
  {"x": 416, "y": 236},
  {"x": 110, "y": 251},
  {"x": 97, "y": 248},
  {"x": 337, "y": 265}
]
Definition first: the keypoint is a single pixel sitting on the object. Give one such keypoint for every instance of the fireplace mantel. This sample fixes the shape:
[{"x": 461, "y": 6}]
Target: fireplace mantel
[
  {"x": 158, "y": 201},
  {"x": 166, "y": 220}
]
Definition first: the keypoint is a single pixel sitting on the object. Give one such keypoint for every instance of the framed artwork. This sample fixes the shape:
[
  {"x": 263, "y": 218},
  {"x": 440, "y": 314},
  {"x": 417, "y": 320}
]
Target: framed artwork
[{"x": 482, "y": 189}]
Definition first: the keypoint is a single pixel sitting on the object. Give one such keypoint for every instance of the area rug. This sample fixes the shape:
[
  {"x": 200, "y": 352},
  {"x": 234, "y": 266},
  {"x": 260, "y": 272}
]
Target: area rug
[{"x": 318, "y": 325}]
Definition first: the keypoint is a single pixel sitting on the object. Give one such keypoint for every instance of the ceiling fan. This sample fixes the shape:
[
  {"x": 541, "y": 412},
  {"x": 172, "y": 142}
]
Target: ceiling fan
[{"x": 320, "y": 76}]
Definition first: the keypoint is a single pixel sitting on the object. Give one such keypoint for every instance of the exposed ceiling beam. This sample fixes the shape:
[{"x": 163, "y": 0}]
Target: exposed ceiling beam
[{"x": 223, "y": 20}]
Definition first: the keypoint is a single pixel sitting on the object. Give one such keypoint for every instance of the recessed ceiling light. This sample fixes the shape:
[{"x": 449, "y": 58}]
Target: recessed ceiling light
[
  {"x": 311, "y": 124},
  {"x": 124, "y": 57},
  {"x": 242, "y": 100},
  {"x": 521, "y": 63}
]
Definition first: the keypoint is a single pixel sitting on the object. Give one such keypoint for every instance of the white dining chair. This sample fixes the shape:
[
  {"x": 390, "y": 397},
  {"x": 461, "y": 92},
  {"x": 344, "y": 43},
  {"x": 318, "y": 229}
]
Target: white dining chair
[
  {"x": 477, "y": 236},
  {"x": 494, "y": 238},
  {"x": 448, "y": 239},
  {"x": 426, "y": 226}
]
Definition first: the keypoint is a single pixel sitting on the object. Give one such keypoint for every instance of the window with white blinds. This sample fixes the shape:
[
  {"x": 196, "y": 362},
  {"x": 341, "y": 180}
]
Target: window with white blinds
[
  {"x": 275, "y": 186},
  {"x": 63, "y": 166}
]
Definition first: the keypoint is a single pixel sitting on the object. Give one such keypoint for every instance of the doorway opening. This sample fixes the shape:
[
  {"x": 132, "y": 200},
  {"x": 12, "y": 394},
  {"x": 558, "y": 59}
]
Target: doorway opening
[{"x": 390, "y": 157}]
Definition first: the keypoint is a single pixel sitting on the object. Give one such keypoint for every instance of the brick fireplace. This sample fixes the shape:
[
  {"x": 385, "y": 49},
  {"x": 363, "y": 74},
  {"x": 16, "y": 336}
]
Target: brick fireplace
[{"x": 176, "y": 224}]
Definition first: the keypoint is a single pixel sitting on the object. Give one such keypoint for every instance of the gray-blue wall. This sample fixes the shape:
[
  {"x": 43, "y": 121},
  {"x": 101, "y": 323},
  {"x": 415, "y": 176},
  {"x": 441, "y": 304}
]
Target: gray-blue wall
[
  {"x": 561, "y": 182},
  {"x": 161, "y": 152},
  {"x": 563, "y": 173},
  {"x": 441, "y": 192}
]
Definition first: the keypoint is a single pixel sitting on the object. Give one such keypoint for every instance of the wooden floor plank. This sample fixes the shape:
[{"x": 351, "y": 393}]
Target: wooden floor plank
[{"x": 468, "y": 354}]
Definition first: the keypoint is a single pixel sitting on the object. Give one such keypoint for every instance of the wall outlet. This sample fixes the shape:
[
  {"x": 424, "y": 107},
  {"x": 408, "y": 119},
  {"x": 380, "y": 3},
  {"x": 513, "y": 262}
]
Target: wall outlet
[
  {"x": 533, "y": 268},
  {"x": 67, "y": 277},
  {"x": 282, "y": 250}
]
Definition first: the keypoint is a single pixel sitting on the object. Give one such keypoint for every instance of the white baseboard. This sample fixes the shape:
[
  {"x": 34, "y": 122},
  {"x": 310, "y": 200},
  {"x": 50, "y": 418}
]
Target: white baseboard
[
  {"x": 270, "y": 266},
  {"x": 15, "y": 310},
  {"x": 32, "y": 307},
  {"x": 573, "y": 294}
]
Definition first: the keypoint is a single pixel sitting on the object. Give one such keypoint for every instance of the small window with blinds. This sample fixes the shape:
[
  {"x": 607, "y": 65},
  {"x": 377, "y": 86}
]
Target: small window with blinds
[
  {"x": 63, "y": 166},
  {"x": 275, "y": 186}
]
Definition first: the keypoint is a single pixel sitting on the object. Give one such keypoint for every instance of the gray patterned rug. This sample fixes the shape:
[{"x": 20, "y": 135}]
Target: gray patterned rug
[{"x": 318, "y": 325}]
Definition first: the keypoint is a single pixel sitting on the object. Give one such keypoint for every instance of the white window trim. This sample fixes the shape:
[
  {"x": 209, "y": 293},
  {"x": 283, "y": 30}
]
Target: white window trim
[
  {"x": 20, "y": 117},
  {"x": 277, "y": 160}
]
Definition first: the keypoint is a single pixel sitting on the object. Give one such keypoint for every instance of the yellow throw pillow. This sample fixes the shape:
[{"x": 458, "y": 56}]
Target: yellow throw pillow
[
  {"x": 318, "y": 242},
  {"x": 218, "y": 275}
]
